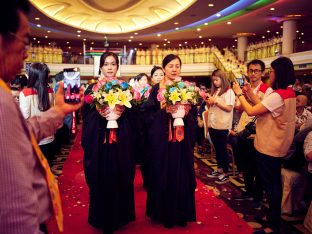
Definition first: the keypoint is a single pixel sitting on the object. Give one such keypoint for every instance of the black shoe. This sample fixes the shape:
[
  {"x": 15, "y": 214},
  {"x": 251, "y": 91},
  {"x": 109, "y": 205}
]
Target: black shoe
[{"x": 243, "y": 197}]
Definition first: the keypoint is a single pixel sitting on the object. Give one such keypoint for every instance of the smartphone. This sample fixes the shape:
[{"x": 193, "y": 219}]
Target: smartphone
[
  {"x": 71, "y": 85},
  {"x": 240, "y": 81}
]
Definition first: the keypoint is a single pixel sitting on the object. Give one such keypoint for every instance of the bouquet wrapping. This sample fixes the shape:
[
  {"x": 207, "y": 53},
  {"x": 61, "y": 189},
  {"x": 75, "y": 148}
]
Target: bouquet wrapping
[{"x": 107, "y": 96}]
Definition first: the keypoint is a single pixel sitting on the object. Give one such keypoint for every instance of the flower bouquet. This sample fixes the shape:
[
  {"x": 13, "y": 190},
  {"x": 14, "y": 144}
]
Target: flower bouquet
[
  {"x": 107, "y": 97},
  {"x": 140, "y": 95},
  {"x": 178, "y": 97}
]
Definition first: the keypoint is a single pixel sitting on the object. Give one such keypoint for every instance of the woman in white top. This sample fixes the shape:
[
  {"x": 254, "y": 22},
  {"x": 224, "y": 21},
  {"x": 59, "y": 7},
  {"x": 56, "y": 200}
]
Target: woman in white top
[
  {"x": 36, "y": 99},
  {"x": 220, "y": 117}
]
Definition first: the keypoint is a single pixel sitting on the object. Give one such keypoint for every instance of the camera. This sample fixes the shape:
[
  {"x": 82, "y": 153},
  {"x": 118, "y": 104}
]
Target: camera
[{"x": 249, "y": 129}]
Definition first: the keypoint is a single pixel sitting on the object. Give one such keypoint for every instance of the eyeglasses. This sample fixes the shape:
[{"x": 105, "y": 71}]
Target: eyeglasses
[
  {"x": 25, "y": 40},
  {"x": 256, "y": 71}
]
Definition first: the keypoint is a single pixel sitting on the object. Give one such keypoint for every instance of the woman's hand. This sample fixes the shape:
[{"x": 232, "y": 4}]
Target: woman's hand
[
  {"x": 237, "y": 90},
  {"x": 171, "y": 109},
  {"x": 105, "y": 111},
  {"x": 211, "y": 100}
]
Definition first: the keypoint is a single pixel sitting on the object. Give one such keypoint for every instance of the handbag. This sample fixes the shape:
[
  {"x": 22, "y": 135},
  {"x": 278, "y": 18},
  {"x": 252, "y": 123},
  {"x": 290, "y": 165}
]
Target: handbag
[{"x": 249, "y": 129}]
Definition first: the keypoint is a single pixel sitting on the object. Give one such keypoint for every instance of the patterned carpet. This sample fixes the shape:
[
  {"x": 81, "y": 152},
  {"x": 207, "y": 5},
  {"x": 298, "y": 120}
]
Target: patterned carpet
[{"x": 205, "y": 163}]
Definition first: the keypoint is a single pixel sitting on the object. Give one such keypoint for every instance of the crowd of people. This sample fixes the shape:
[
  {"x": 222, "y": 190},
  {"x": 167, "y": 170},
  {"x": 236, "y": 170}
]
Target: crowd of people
[{"x": 146, "y": 135}]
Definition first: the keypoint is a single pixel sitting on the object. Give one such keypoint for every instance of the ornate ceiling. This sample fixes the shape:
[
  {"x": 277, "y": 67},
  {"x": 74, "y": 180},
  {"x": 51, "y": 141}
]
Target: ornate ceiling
[{"x": 112, "y": 17}]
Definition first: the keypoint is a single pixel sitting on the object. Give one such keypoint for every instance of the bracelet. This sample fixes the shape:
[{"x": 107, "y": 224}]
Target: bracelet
[{"x": 241, "y": 94}]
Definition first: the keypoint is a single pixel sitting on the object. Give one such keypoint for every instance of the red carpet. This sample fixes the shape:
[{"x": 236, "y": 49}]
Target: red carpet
[{"x": 213, "y": 215}]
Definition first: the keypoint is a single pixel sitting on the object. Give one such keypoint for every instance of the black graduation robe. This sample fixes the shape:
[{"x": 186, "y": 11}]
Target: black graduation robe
[
  {"x": 109, "y": 170},
  {"x": 171, "y": 177}
]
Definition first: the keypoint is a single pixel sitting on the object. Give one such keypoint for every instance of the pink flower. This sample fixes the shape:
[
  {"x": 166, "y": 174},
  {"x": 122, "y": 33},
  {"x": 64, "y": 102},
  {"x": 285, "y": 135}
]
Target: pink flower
[
  {"x": 88, "y": 99},
  {"x": 203, "y": 94},
  {"x": 196, "y": 89},
  {"x": 160, "y": 95},
  {"x": 96, "y": 87},
  {"x": 136, "y": 95},
  {"x": 187, "y": 83},
  {"x": 147, "y": 93}
]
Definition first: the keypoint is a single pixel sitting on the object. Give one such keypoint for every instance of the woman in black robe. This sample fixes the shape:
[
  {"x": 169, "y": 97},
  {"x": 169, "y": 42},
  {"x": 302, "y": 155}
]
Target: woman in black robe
[
  {"x": 109, "y": 168},
  {"x": 171, "y": 180}
]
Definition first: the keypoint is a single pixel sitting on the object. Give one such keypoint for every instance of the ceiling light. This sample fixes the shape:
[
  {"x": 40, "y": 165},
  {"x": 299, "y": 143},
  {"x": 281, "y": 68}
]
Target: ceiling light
[
  {"x": 302, "y": 42},
  {"x": 302, "y": 33},
  {"x": 299, "y": 38},
  {"x": 168, "y": 42},
  {"x": 157, "y": 46},
  {"x": 140, "y": 43},
  {"x": 205, "y": 23},
  {"x": 176, "y": 23},
  {"x": 78, "y": 35},
  {"x": 229, "y": 22},
  {"x": 297, "y": 31},
  {"x": 200, "y": 36},
  {"x": 165, "y": 39},
  {"x": 49, "y": 43},
  {"x": 45, "y": 36},
  {"x": 268, "y": 31},
  {"x": 198, "y": 29},
  {"x": 233, "y": 46},
  {"x": 69, "y": 47},
  {"x": 235, "y": 40},
  {"x": 277, "y": 32},
  {"x": 272, "y": 9},
  {"x": 48, "y": 31},
  {"x": 131, "y": 36},
  {"x": 136, "y": 33},
  {"x": 263, "y": 37},
  {"x": 38, "y": 25},
  {"x": 129, "y": 40},
  {"x": 218, "y": 15},
  {"x": 38, "y": 41},
  {"x": 210, "y": 5},
  {"x": 34, "y": 38},
  {"x": 180, "y": 44},
  {"x": 78, "y": 31},
  {"x": 209, "y": 39},
  {"x": 158, "y": 35},
  {"x": 202, "y": 43},
  {"x": 176, "y": 28},
  {"x": 84, "y": 39},
  {"x": 37, "y": 18},
  {"x": 185, "y": 42},
  {"x": 281, "y": 26},
  {"x": 67, "y": 42},
  {"x": 165, "y": 44}
]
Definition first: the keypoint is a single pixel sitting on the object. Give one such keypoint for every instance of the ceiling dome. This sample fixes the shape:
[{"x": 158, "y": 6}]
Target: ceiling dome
[{"x": 112, "y": 17}]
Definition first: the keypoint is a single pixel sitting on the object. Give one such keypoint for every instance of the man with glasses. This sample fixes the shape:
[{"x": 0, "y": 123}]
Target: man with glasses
[
  {"x": 254, "y": 91},
  {"x": 29, "y": 192}
]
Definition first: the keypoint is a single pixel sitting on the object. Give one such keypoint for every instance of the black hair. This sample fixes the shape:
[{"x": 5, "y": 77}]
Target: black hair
[
  {"x": 16, "y": 81},
  {"x": 59, "y": 76},
  {"x": 255, "y": 62},
  {"x": 38, "y": 78},
  {"x": 169, "y": 58},
  {"x": 155, "y": 68},
  {"x": 104, "y": 56},
  {"x": 10, "y": 18},
  {"x": 139, "y": 77},
  {"x": 284, "y": 73}
]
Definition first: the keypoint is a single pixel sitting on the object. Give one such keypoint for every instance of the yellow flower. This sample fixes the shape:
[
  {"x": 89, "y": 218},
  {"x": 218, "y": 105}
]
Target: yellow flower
[
  {"x": 111, "y": 98},
  {"x": 124, "y": 98},
  {"x": 185, "y": 95},
  {"x": 175, "y": 97}
]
